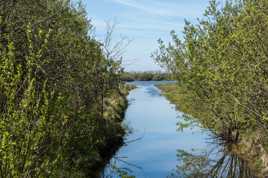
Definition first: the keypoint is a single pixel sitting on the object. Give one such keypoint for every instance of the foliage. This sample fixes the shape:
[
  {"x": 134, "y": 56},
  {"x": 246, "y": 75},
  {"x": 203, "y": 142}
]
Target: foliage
[
  {"x": 54, "y": 81},
  {"x": 221, "y": 65}
]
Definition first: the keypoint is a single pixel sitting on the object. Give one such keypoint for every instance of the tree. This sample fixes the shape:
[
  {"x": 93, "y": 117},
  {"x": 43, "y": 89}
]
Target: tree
[
  {"x": 52, "y": 75},
  {"x": 221, "y": 65}
]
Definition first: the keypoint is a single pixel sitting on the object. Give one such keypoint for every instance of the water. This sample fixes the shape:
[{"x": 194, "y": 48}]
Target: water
[{"x": 155, "y": 148}]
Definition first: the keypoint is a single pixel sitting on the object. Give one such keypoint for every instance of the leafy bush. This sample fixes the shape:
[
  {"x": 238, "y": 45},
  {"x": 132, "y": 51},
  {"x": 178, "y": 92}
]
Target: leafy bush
[{"x": 54, "y": 78}]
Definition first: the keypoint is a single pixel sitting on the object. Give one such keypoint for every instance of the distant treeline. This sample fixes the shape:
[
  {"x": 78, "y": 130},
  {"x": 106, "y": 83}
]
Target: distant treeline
[
  {"x": 145, "y": 76},
  {"x": 60, "y": 93}
]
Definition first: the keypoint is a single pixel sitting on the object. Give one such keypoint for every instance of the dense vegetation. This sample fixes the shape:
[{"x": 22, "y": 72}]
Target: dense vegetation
[
  {"x": 221, "y": 67},
  {"x": 145, "y": 76},
  {"x": 56, "y": 90}
]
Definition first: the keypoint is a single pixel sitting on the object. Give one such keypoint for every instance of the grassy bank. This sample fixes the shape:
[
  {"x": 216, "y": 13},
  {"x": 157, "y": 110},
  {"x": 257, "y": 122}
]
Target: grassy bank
[
  {"x": 114, "y": 112},
  {"x": 183, "y": 102},
  {"x": 251, "y": 146}
]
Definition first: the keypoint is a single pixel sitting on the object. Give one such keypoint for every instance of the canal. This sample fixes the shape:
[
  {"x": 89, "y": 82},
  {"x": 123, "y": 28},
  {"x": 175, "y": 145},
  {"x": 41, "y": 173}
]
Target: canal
[{"x": 154, "y": 148}]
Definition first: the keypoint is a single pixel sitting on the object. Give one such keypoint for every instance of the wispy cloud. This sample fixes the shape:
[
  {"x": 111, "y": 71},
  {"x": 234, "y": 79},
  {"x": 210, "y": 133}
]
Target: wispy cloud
[
  {"x": 159, "y": 8},
  {"x": 143, "y": 21}
]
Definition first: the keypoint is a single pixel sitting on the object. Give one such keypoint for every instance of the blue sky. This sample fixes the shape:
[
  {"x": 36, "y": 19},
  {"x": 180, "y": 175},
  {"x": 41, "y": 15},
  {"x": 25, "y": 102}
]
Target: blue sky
[{"x": 143, "y": 21}]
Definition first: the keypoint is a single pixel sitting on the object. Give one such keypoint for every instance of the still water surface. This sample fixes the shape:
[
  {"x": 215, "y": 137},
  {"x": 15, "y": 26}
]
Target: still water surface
[{"x": 152, "y": 146}]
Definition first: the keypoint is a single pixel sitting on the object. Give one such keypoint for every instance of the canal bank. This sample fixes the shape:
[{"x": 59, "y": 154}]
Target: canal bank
[
  {"x": 114, "y": 113},
  {"x": 250, "y": 148}
]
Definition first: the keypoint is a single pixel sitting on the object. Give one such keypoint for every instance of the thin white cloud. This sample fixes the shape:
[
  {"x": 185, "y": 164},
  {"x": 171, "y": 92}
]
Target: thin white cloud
[
  {"x": 143, "y": 21},
  {"x": 129, "y": 3},
  {"x": 140, "y": 28},
  {"x": 163, "y": 8}
]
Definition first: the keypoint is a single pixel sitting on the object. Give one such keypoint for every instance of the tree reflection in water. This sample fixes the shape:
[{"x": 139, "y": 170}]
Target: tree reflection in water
[
  {"x": 203, "y": 165},
  {"x": 198, "y": 165},
  {"x": 114, "y": 170}
]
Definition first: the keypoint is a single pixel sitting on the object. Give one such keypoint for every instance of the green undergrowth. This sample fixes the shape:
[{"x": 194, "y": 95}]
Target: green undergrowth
[
  {"x": 114, "y": 112},
  {"x": 251, "y": 146}
]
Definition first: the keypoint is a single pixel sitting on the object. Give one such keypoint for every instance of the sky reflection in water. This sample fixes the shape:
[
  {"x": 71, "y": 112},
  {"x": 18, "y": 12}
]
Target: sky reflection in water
[{"x": 153, "y": 121}]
